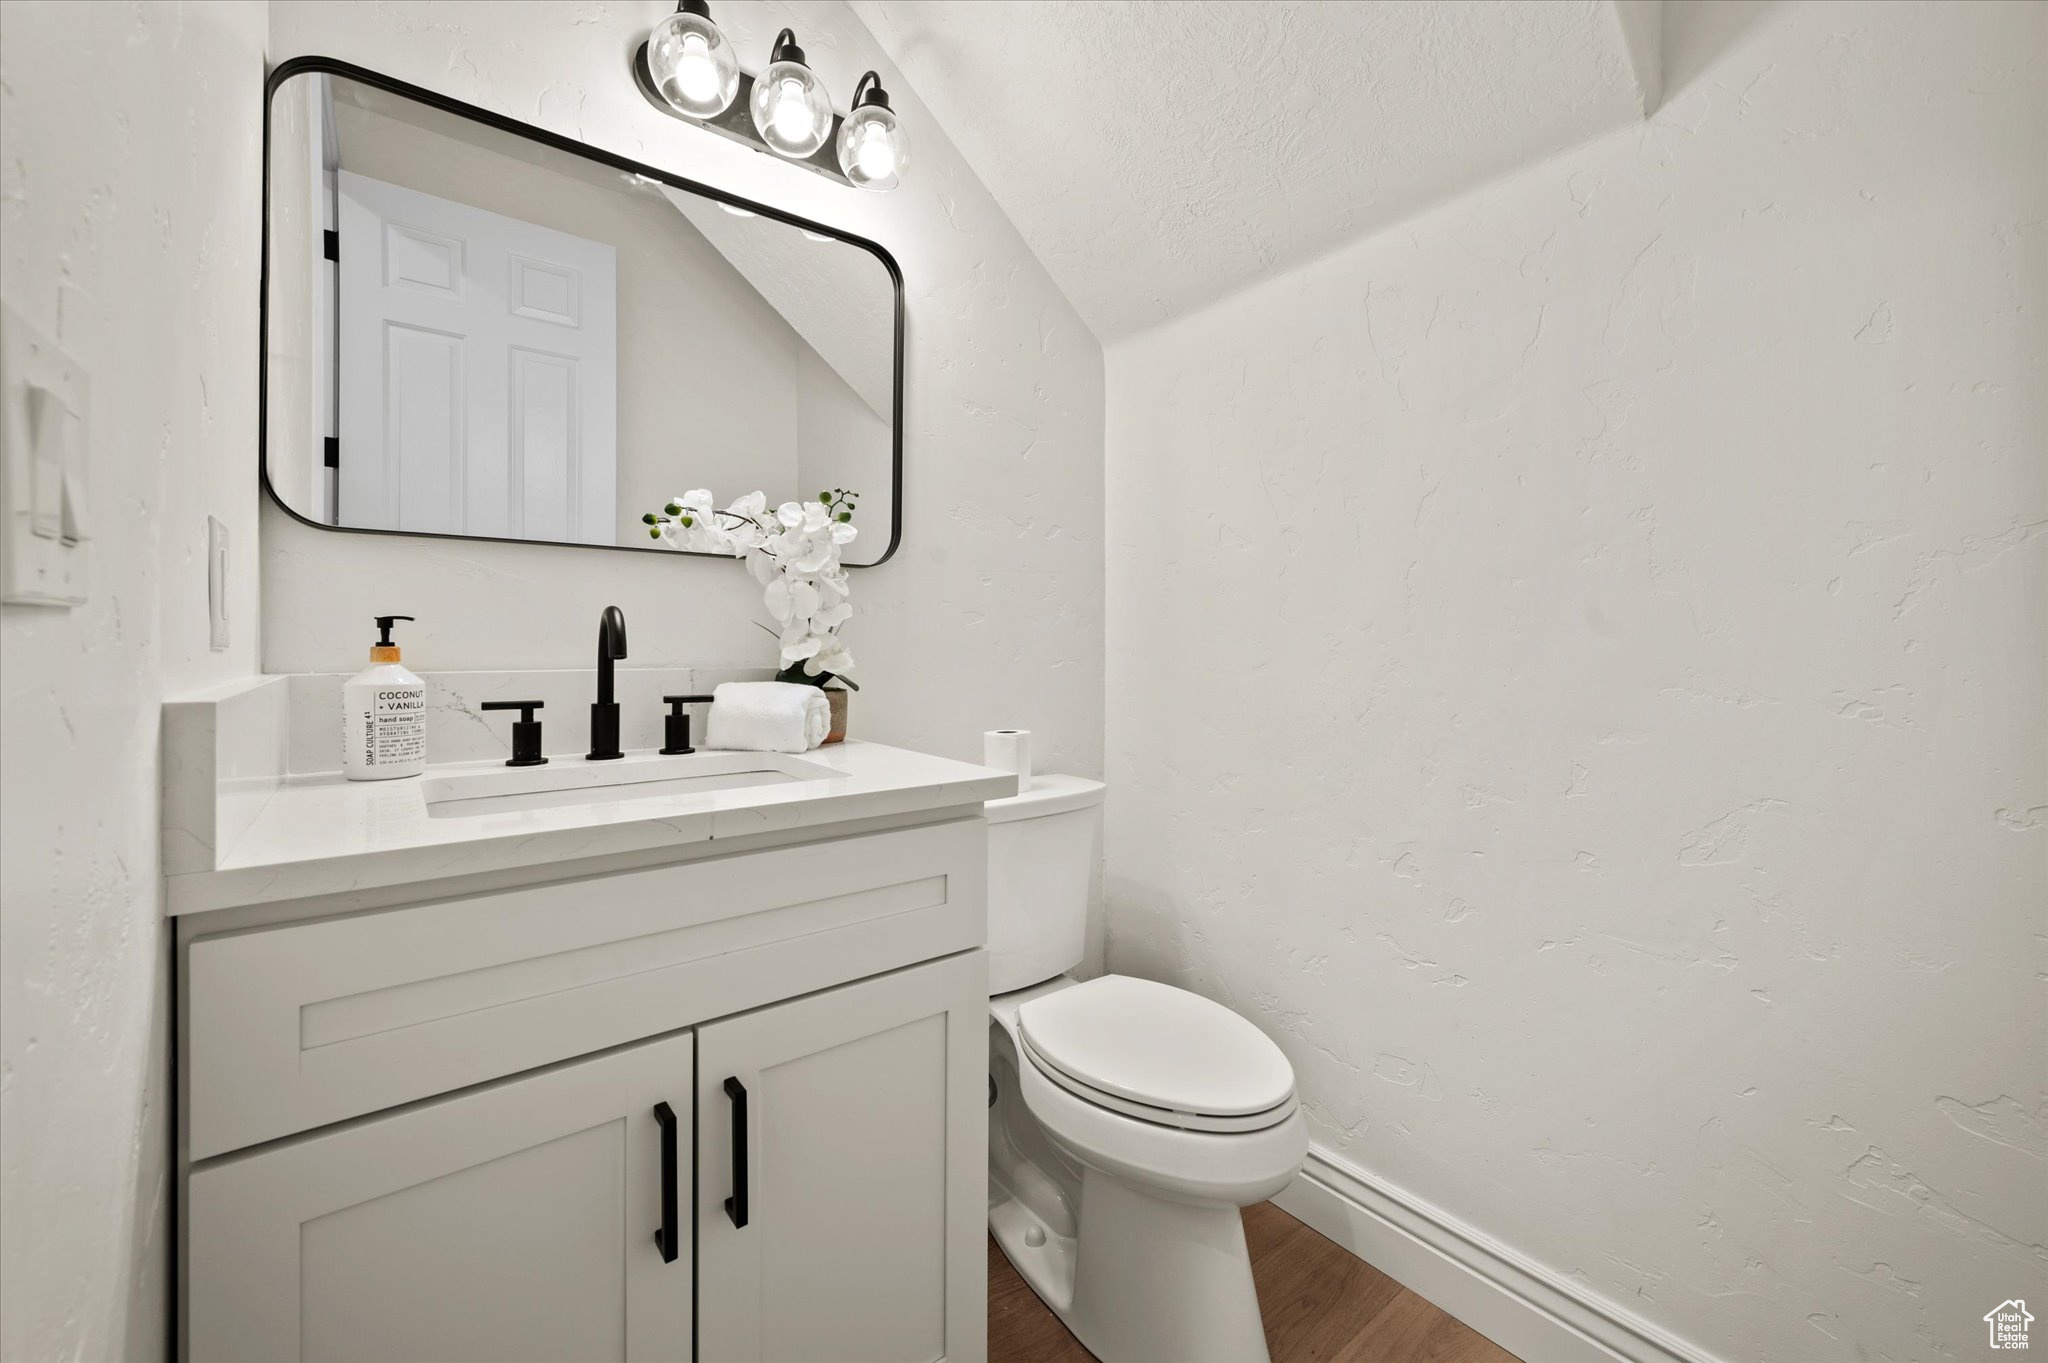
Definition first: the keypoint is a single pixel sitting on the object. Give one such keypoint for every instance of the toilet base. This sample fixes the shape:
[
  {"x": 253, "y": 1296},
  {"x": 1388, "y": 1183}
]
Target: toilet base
[{"x": 1150, "y": 1279}]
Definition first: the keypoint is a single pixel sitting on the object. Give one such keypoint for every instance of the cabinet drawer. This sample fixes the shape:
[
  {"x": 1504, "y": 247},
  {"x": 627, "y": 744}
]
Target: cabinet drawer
[{"x": 292, "y": 1027}]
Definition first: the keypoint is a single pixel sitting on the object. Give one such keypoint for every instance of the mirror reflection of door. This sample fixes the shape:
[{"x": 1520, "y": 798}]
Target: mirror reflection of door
[
  {"x": 470, "y": 331},
  {"x": 478, "y": 364}
]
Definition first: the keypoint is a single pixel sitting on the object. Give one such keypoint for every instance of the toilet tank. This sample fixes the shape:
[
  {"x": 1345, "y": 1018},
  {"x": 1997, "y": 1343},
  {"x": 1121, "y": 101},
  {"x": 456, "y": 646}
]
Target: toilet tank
[{"x": 1042, "y": 848}]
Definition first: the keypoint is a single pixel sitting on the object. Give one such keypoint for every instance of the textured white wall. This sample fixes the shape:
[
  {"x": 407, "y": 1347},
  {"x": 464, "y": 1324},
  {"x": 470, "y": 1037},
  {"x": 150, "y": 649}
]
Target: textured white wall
[
  {"x": 990, "y": 615},
  {"x": 1577, "y": 674},
  {"x": 129, "y": 171}
]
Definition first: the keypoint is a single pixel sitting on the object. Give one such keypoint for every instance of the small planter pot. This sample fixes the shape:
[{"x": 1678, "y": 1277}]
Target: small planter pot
[{"x": 836, "y": 697}]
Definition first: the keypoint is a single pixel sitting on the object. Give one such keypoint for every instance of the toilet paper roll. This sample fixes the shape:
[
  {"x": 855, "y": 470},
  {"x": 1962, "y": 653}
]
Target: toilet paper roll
[{"x": 1008, "y": 750}]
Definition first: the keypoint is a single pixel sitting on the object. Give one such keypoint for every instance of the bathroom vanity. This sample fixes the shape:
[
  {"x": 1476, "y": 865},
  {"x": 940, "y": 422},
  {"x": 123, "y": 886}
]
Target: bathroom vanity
[{"x": 527, "y": 1065}]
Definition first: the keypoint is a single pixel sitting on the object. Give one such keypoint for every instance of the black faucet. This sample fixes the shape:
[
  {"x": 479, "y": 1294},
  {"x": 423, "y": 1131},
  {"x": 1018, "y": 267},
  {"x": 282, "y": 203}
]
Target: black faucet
[{"x": 604, "y": 715}]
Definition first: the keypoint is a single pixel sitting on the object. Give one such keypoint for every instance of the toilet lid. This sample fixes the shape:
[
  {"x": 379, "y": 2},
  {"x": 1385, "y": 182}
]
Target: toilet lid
[{"x": 1157, "y": 1045}]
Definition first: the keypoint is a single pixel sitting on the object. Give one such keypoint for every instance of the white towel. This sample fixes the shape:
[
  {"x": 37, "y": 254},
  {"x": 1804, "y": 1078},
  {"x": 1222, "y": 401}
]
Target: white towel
[{"x": 767, "y": 717}]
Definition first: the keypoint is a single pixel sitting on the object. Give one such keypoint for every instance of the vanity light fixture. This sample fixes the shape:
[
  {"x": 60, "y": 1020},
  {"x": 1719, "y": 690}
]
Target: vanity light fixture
[
  {"x": 872, "y": 151},
  {"x": 689, "y": 69}
]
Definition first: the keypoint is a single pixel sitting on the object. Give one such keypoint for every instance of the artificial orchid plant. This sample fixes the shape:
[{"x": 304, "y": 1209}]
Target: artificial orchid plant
[{"x": 793, "y": 552}]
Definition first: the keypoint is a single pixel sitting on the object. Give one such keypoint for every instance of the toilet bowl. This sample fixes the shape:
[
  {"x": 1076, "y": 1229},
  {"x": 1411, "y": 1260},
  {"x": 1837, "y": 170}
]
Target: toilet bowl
[{"x": 1130, "y": 1119}]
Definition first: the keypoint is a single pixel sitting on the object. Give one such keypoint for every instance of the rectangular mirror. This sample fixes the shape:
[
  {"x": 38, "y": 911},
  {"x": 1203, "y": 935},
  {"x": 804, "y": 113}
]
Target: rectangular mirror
[{"x": 478, "y": 329}]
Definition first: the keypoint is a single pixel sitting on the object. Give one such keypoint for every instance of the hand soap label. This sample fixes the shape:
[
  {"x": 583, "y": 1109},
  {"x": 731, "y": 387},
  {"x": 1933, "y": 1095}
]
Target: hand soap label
[{"x": 395, "y": 731}]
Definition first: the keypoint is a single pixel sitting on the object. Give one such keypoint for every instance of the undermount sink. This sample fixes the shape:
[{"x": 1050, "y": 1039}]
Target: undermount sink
[{"x": 569, "y": 781}]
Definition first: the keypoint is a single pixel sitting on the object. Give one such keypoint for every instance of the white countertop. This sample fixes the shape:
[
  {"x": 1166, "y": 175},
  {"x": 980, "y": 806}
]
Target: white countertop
[{"x": 323, "y": 834}]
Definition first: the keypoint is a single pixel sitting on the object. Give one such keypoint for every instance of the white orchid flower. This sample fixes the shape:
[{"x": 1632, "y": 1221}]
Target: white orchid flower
[
  {"x": 777, "y": 597},
  {"x": 798, "y": 643},
  {"x": 836, "y": 660},
  {"x": 793, "y": 552},
  {"x": 815, "y": 555}
]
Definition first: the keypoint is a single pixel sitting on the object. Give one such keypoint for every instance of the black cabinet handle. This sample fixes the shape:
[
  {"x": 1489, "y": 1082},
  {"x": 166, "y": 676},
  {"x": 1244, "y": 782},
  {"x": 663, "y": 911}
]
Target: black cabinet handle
[
  {"x": 736, "y": 1205},
  {"x": 666, "y": 1237}
]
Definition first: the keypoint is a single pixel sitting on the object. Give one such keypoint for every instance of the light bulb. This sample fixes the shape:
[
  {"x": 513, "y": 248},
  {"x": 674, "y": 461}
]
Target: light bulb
[
  {"x": 791, "y": 111},
  {"x": 791, "y": 118},
  {"x": 691, "y": 64},
  {"x": 695, "y": 74},
  {"x": 876, "y": 157},
  {"x": 872, "y": 149}
]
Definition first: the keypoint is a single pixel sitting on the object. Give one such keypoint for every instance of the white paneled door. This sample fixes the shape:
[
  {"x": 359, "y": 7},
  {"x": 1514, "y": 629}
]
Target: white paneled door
[{"x": 478, "y": 359}]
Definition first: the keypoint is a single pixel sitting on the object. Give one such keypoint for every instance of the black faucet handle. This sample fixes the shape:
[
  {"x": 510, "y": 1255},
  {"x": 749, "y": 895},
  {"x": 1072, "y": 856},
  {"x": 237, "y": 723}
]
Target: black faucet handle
[
  {"x": 525, "y": 731},
  {"x": 676, "y": 728}
]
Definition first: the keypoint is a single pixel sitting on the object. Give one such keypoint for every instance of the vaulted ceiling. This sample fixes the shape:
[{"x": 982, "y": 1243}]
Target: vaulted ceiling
[{"x": 1157, "y": 154}]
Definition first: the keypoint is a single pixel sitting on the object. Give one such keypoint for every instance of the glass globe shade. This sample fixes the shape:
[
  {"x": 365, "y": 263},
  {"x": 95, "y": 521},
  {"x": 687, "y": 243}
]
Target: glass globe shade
[
  {"x": 693, "y": 65},
  {"x": 791, "y": 110},
  {"x": 872, "y": 150}
]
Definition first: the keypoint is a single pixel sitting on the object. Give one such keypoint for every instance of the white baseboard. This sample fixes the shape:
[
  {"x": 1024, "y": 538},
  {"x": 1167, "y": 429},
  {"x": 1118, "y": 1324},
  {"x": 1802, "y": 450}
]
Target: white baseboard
[{"x": 1526, "y": 1309}]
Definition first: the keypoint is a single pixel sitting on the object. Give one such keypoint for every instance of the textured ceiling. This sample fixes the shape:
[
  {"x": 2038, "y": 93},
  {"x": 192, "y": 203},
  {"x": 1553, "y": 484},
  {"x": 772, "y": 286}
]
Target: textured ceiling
[{"x": 1158, "y": 155}]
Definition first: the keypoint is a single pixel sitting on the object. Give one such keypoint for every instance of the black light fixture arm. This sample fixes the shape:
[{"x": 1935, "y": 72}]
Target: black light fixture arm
[
  {"x": 870, "y": 91},
  {"x": 785, "y": 49}
]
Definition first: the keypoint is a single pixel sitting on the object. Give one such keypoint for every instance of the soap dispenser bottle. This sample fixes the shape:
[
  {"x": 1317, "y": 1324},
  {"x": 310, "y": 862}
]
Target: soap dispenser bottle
[{"x": 384, "y": 715}]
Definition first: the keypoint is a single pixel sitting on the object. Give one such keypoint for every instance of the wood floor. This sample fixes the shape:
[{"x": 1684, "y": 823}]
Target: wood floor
[{"x": 1320, "y": 1303}]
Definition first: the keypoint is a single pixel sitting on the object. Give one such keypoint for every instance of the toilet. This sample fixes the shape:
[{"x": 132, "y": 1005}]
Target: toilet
[{"x": 1128, "y": 1120}]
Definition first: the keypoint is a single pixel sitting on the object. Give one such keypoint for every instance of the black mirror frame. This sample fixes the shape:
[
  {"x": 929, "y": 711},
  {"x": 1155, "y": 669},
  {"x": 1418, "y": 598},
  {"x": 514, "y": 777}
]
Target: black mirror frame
[{"x": 299, "y": 66}]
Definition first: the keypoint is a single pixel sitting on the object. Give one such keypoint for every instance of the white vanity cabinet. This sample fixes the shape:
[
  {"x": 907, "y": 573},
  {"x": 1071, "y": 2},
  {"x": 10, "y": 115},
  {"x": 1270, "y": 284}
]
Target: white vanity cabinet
[{"x": 428, "y": 1130}]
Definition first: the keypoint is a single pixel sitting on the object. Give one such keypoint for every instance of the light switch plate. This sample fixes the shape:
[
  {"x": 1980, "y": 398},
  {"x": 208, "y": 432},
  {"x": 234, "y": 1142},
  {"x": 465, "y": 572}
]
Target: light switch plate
[{"x": 44, "y": 522}]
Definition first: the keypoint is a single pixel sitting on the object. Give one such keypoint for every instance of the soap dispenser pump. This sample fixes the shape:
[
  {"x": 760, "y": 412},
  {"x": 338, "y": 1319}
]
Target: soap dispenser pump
[{"x": 384, "y": 715}]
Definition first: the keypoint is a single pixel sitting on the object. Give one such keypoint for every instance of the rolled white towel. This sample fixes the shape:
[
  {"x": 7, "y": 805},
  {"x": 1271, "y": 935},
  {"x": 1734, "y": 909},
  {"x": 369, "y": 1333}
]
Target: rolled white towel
[{"x": 767, "y": 717}]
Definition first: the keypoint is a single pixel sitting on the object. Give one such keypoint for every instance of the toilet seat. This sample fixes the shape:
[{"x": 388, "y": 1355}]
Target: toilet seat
[
  {"x": 1158, "y": 1054},
  {"x": 1164, "y": 1116}
]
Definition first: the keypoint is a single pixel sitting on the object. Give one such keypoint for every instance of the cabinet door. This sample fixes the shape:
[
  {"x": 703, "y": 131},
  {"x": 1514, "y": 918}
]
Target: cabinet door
[
  {"x": 863, "y": 1187},
  {"x": 505, "y": 1223}
]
